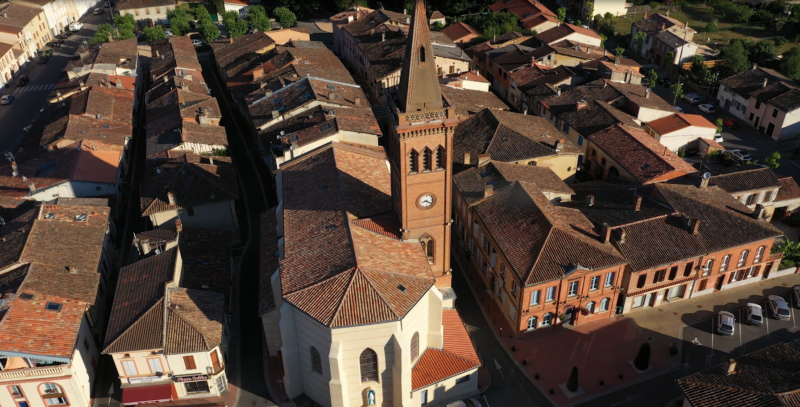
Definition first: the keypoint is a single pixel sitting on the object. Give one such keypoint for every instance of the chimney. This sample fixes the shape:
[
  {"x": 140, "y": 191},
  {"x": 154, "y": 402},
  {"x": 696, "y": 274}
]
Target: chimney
[
  {"x": 637, "y": 203},
  {"x": 466, "y": 159},
  {"x": 764, "y": 85},
  {"x": 645, "y": 15},
  {"x": 202, "y": 118},
  {"x": 484, "y": 159},
  {"x": 14, "y": 169},
  {"x": 275, "y": 114},
  {"x": 118, "y": 82},
  {"x": 605, "y": 232},
  {"x": 145, "y": 246},
  {"x": 383, "y": 37},
  {"x": 605, "y": 52},
  {"x": 404, "y": 11},
  {"x": 211, "y": 160},
  {"x": 755, "y": 66},
  {"x": 589, "y": 200},
  {"x": 647, "y": 93},
  {"x": 695, "y": 225},
  {"x": 731, "y": 367},
  {"x": 760, "y": 212},
  {"x": 488, "y": 190},
  {"x": 533, "y": 61},
  {"x": 258, "y": 72},
  {"x": 184, "y": 85},
  {"x": 188, "y": 77},
  {"x": 330, "y": 96},
  {"x": 663, "y": 26},
  {"x": 31, "y": 186},
  {"x": 171, "y": 198},
  {"x": 558, "y": 92},
  {"x": 580, "y": 104},
  {"x": 560, "y": 145},
  {"x": 704, "y": 180},
  {"x": 230, "y": 40},
  {"x": 408, "y": 20},
  {"x": 179, "y": 226},
  {"x": 357, "y": 101},
  {"x": 621, "y": 236}
]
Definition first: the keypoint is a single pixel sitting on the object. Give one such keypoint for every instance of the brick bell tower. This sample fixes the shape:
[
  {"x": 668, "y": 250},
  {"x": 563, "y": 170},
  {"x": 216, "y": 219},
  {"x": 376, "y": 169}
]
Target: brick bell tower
[{"x": 421, "y": 151}]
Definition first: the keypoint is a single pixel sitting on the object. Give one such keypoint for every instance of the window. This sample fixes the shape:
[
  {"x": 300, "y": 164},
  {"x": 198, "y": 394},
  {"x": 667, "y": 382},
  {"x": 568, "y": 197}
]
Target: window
[
  {"x": 422, "y": 55},
  {"x": 604, "y": 304},
  {"x": 188, "y": 362},
  {"x": 767, "y": 196},
  {"x": 565, "y": 128},
  {"x": 659, "y": 276},
  {"x": 531, "y": 323},
  {"x": 774, "y": 112},
  {"x": 702, "y": 285},
  {"x": 56, "y": 401},
  {"x": 222, "y": 384},
  {"x": 130, "y": 368},
  {"x": 580, "y": 140},
  {"x": 369, "y": 365},
  {"x": 512, "y": 312},
  {"x": 673, "y": 272},
  {"x": 196, "y": 387},
  {"x": 758, "y": 104},
  {"x": 85, "y": 344},
  {"x": 751, "y": 199},
  {"x": 462, "y": 379},
  {"x": 514, "y": 288},
  {"x": 641, "y": 281},
  {"x": 725, "y": 261},
  {"x": 16, "y": 391},
  {"x": 155, "y": 366},
  {"x": 707, "y": 267},
  {"x": 547, "y": 319},
  {"x": 316, "y": 361},
  {"x": 573, "y": 288},
  {"x": 427, "y": 156},
  {"x": 753, "y": 271},
  {"x": 751, "y": 116},
  {"x": 423, "y": 397},
  {"x": 215, "y": 360},
  {"x": 590, "y": 307},
  {"x": 427, "y": 247},
  {"x": 743, "y": 258},
  {"x": 413, "y": 162},
  {"x": 551, "y": 294},
  {"x": 535, "y": 297},
  {"x": 441, "y": 158},
  {"x": 158, "y": 10},
  {"x": 759, "y": 254},
  {"x": 609, "y": 279},
  {"x": 595, "y": 283},
  {"x": 415, "y": 346}
]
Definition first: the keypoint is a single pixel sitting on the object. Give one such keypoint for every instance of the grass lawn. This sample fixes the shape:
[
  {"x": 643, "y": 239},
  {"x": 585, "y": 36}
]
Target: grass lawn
[{"x": 698, "y": 17}]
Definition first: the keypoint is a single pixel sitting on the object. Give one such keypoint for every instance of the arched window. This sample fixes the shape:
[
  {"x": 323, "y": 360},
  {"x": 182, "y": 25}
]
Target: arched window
[
  {"x": 604, "y": 304},
  {"x": 441, "y": 158},
  {"x": 369, "y": 365},
  {"x": 707, "y": 267},
  {"x": 590, "y": 307},
  {"x": 414, "y": 346},
  {"x": 743, "y": 258},
  {"x": 422, "y": 54},
  {"x": 413, "y": 162},
  {"x": 613, "y": 172},
  {"x": 592, "y": 153},
  {"x": 427, "y": 247},
  {"x": 725, "y": 261},
  {"x": 547, "y": 319},
  {"x": 427, "y": 159},
  {"x": 53, "y": 394},
  {"x": 531, "y": 323},
  {"x": 759, "y": 254},
  {"x": 316, "y": 361}
]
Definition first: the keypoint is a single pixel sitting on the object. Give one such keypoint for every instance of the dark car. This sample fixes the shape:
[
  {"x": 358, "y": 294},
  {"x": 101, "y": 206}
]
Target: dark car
[
  {"x": 43, "y": 59},
  {"x": 664, "y": 81},
  {"x": 58, "y": 43},
  {"x": 108, "y": 4},
  {"x": 730, "y": 123},
  {"x": 22, "y": 80}
]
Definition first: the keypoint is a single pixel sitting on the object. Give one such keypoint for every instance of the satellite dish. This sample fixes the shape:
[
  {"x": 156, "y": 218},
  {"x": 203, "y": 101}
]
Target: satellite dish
[{"x": 707, "y": 175}]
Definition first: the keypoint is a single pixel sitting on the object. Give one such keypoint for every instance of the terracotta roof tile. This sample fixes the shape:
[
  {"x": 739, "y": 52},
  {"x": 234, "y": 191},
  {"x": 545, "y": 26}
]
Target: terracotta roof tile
[
  {"x": 556, "y": 34},
  {"x": 194, "y": 321},
  {"x": 781, "y": 95},
  {"x": 789, "y": 189},
  {"x": 657, "y": 22},
  {"x": 744, "y": 178},
  {"x": 469, "y": 102},
  {"x": 679, "y": 121},
  {"x": 206, "y": 255},
  {"x": 29, "y": 328},
  {"x": 595, "y": 116},
  {"x": 192, "y": 184},
  {"x": 460, "y": 30},
  {"x": 457, "y": 355},
  {"x": 228, "y": 50},
  {"x": 145, "y": 333},
  {"x": 752, "y": 79},
  {"x": 472, "y": 182}
]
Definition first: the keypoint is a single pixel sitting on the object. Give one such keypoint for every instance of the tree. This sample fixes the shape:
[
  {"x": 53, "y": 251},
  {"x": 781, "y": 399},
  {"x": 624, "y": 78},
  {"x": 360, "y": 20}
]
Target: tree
[
  {"x": 653, "y": 76},
  {"x": 677, "y": 90},
  {"x": 772, "y": 160},
  {"x": 762, "y": 51},
  {"x": 597, "y": 19},
  {"x": 603, "y": 39},
  {"x": 642, "y": 360},
  {"x": 209, "y": 31},
  {"x": 343, "y": 5},
  {"x": 618, "y": 51},
  {"x": 178, "y": 21},
  {"x": 790, "y": 64},
  {"x": 437, "y": 26},
  {"x": 719, "y": 125},
  {"x": 791, "y": 253},
  {"x": 654, "y": 5},
  {"x": 638, "y": 41},
  {"x": 103, "y": 34},
  {"x": 494, "y": 24},
  {"x": 735, "y": 59},
  {"x": 562, "y": 14},
  {"x": 285, "y": 17},
  {"x": 154, "y": 33},
  {"x": 572, "y": 382},
  {"x": 219, "y": 5},
  {"x": 589, "y": 9},
  {"x": 201, "y": 14},
  {"x": 235, "y": 26},
  {"x": 578, "y": 23},
  {"x": 258, "y": 18},
  {"x": 712, "y": 26}
]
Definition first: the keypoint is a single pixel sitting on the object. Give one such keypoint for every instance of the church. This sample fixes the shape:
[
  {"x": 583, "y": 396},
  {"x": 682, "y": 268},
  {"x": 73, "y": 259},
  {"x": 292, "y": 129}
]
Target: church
[{"x": 362, "y": 310}]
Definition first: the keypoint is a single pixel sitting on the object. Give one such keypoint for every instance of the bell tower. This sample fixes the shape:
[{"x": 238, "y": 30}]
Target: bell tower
[{"x": 421, "y": 151}]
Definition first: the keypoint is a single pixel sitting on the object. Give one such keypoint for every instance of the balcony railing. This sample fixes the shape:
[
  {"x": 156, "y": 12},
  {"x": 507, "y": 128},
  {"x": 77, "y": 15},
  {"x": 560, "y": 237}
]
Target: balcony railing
[{"x": 35, "y": 372}]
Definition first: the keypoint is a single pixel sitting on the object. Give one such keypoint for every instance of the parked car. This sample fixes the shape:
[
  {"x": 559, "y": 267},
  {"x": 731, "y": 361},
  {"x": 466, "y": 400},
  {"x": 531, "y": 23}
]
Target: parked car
[
  {"x": 197, "y": 43},
  {"x": 755, "y": 314},
  {"x": 779, "y": 308},
  {"x": 22, "y": 80},
  {"x": 43, "y": 59},
  {"x": 679, "y": 109},
  {"x": 66, "y": 34},
  {"x": 718, "y": 138},
  {"x": 730, "y": 123},
  {"x": 693, "y": 98},
  {"x": 108, "y": 4},
  {"x": 471, "y": 402},
  {"x": 192, "y": 24},
  {"x": 168, "y": 33},
  {"x": 725, "y": 323},
  {"x": 796, "y": 294},
  {"x": 98, "y": 11},
  {"x": 6, "y": 99},
  {"x": 664, "y": 81},
  {"x": 141, "y": 37},
  {"x": 740, "y": 155},
  {"x": 75, "y": 26},
  {"x": 58, "y": 43},
  {"x": 708, "y": 108}
]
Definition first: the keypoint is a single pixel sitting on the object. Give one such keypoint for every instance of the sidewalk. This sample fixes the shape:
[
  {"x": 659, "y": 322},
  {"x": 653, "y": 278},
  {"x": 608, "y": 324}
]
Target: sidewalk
[{"x": 603, "y": 350}]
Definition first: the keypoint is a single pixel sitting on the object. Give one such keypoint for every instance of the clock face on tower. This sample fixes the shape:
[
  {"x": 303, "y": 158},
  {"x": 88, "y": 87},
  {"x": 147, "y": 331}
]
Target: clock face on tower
[{"x": 426, "y": 201}]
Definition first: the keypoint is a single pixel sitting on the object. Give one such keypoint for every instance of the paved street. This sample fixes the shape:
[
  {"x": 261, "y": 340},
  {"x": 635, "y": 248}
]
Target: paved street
[{"x": 31, "y": 98}]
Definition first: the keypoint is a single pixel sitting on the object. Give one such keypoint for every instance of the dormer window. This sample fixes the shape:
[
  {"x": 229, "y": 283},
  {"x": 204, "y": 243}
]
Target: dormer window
[{"x": 80, "y": 218}]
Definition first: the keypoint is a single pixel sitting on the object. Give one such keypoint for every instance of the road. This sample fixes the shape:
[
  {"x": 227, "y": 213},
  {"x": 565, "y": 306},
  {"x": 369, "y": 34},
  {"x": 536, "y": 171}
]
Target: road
[{"x": 31, "y": 98}]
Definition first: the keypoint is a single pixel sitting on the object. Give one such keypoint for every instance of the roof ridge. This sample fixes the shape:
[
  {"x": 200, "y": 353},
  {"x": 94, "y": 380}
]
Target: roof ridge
[
  {"x": 378, "y": 292},
  {"x": 199, "y": 332},
  {"x": 338, "y": 306},
  {"x": 134, "y": 324}
]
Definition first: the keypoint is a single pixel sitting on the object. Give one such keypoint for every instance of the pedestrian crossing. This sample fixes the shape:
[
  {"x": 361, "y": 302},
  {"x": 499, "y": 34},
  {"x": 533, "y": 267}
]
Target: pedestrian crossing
[{"x": 36, "y": 88}]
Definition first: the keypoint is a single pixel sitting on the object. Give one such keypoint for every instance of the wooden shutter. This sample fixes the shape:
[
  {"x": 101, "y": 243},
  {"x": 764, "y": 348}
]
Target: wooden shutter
[
  {"x": 215, "y": 360},
  {"x": 188, "y": 361}
]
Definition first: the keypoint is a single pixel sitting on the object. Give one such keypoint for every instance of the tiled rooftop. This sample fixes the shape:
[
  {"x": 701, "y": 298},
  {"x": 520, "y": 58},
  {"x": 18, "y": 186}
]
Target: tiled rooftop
[
  {"x": 472, "y": 182},
  {"x": 469, "y": 102},
  {"x": 744, "y": 178},
  {"x": 456, "y": 356}
]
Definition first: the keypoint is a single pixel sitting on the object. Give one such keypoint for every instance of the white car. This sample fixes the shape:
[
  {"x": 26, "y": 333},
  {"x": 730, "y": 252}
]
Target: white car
[
  {"x": 740, "y": 155},
  {"x": 779, "y": 308},
  {"x": 6, "y": 99},
  {"x": 718, "y": 138},
  {"x": 197, "y": 43},
  {"x": 466, "y": 403},
  {"x": 725, "y": 323},
  {"x": 755, "y": 314},
  {"x": 679, "y": 109},
  {"x": 706, "y": 108},
  {"x": 168, "y": 33},
  {"x": 98, "y": 11},
  {"x": 75, "y": 26}
]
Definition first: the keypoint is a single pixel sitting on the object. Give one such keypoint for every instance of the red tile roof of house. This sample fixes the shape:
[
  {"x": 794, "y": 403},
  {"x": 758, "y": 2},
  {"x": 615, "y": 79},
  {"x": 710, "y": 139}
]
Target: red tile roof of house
[
  {"x": 456, "y": 356},
  {"x": 679, "y": 121},
  {"x": 562, "y": 31},
  {"x": 533, "y": 22},
  {"x": 460, "y": 30},
  {"x": 639, "y": 154},
  {"x": 789, "y": 189},
  {"x": 97, "y": 166},
  {"x": 436, "y": 15}
]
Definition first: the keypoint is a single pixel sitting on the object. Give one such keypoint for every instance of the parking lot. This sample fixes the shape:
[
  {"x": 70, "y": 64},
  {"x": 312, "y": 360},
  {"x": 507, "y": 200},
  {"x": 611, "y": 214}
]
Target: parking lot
[{"x": 703, "y": 347}]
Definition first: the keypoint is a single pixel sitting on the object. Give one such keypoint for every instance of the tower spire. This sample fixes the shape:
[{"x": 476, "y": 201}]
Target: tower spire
[{"x": 419, "y": 85}]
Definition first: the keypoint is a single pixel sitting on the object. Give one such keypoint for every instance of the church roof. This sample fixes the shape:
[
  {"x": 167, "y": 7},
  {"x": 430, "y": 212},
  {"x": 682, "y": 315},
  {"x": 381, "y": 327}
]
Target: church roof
[
  {"x": 342, "y": 264},
  {"x": 418, "y": 81}
]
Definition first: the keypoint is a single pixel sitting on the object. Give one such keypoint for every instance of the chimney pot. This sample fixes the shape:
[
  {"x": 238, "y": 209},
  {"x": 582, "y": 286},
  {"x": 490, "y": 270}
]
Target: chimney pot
[
  {"x": 466, "y": 159},
  {"x": 731, "y": 366},
  {"x": 605, "y": 231},
  {"x": 647, "y": 93},
  {"x": 330, "y": 95},
  {"x": 171, "y": 198},
  {"x": 637, "y": 203},
  {"x": 695, "y": 226},
  {"x": 764, "y": 85},
  {"x": 179, "y": 226},
  {"x": 357, "y": 101},
  {"x": 145, "y": 246},
  {"x": 589, "y": 200},
  {"x": 488, "y": 190},
  {"x": 560, "y": 145},
  {"x": 275, "y": 114}
]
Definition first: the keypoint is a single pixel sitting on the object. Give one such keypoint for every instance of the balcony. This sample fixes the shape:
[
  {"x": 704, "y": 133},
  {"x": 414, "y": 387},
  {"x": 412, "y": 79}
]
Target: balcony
[{"x": 43, "y": 372}]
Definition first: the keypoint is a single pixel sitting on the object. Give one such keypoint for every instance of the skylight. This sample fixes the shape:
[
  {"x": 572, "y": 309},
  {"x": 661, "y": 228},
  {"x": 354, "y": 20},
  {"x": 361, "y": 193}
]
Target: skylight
[
  {"x": 46, "y": 168},
  {"x": 325, "y": 127},
  {"x": 80, "y": 218},
  {"x": 53, "y": 306}
]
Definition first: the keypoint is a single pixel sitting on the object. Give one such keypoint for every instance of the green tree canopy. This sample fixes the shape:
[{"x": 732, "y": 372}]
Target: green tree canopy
[
  {"x": 285, "y": 17},
  {"x": 343, "y": 5},
  {"x": 494, "y": 24},
  {"x": 562, "y": 14},
  {"x": 209, "y": 31},
  {"x": 258, "y": 18},
  {"x": 235, "y": 26},
  {"x": 201, "y": 14},
  {"x": 653, "y": 76},
  {"x": 790, "y": 64},
  {"x": 772, "y": 160},
  {"x": 154, "y": 33},
  {"x": 735, "y": 57},
  {"x": 762, "y": 51},
  {"x": 103, "y": 34}
]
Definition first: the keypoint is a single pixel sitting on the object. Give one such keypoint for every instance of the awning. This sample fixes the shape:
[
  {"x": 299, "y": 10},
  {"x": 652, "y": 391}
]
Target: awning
[{"x": 147, "y": 394}]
